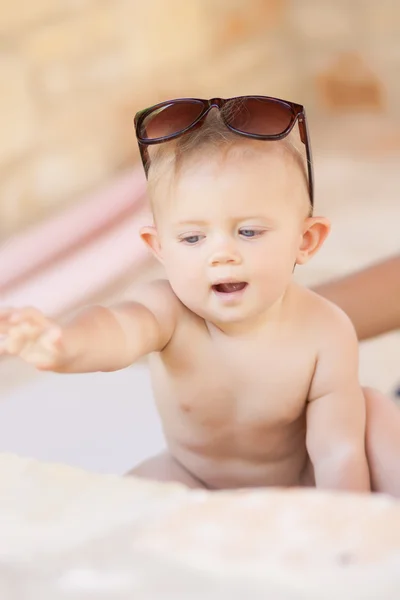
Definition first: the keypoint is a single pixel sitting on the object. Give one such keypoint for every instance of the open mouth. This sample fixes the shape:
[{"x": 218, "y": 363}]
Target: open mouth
[{"x": 229, "y": 287}]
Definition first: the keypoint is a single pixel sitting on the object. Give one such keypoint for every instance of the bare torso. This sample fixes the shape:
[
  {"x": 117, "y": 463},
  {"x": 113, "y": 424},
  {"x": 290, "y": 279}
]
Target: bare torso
[{"x": 233, "y": 408}]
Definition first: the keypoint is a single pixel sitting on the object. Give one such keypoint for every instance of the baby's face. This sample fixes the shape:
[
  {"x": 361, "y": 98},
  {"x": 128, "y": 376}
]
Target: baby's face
[{"x": 229, "y": 234}]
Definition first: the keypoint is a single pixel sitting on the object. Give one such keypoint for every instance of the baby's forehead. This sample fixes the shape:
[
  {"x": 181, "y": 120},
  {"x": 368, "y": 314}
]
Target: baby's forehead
[
  {"x": 267, "y": 166},
  {"x": 245, "y": 150},
  {"x": 245, "y": 172}
]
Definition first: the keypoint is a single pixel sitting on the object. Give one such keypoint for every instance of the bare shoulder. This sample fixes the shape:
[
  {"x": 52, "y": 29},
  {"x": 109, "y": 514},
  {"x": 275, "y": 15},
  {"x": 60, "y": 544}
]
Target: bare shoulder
[
  {"x": 159, "y": 298},
  {"x": 157, "y": 306},
  {"x": 327, "y": 324},
  {"x": 333, "y": 338}
]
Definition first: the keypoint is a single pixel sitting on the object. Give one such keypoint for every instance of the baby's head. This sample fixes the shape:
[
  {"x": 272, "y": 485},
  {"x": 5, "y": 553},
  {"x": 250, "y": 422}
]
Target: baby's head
[{"x": 232, "y": 218}]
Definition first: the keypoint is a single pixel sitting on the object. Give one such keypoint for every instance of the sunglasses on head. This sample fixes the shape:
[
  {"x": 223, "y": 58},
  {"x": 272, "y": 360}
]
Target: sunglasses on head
[{"x": 257, "y": 117}]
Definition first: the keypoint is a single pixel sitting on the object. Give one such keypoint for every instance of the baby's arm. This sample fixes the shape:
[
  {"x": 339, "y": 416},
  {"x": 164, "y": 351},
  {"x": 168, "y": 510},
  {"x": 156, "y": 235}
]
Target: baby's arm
[
  {"x": 380, "y": 284},
  {"x": 336, "y": 411},
  {"x": 98, "y": 338}
]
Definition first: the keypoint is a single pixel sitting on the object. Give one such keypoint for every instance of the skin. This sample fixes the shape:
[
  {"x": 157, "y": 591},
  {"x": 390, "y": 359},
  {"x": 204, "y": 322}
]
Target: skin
[
  {"x": 254, "y": 388},
  {"x": 380, "y": 283}
]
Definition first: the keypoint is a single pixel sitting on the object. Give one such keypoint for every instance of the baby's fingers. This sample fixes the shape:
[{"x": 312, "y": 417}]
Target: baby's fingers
[
  {"x": 46, "y": 351},
  {"x": 14, "y": 337},
  {"x": 12, "y": 345},
  {"x": 30, "y": 315},
  {"x": 3, "y": 341},
  {"x": 51, "y": 338},
  {"x": 24, "y": 330},
  {"x": 5, "y": 316},
  {"x": 10, "y": 317}
]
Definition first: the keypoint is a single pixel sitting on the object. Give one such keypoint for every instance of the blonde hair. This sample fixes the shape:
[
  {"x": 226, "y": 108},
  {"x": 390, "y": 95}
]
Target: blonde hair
[{"x": 212, "y": 137}]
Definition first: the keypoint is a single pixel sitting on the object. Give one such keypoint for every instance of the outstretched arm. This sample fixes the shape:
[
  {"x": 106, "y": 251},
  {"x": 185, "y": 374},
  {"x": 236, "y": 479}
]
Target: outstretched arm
[
  {"x": 97, "y": 338},
  {"x": 370, "y": 297},
  {"x": 336, "y": 412}
]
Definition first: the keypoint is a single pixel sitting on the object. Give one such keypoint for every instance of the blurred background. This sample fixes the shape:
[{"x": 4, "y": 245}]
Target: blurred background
[{"x": 72, "y": 75}]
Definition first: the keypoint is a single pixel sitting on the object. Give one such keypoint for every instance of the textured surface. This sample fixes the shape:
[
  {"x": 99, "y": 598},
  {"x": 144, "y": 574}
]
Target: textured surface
[{"x": 69, "y": 535}]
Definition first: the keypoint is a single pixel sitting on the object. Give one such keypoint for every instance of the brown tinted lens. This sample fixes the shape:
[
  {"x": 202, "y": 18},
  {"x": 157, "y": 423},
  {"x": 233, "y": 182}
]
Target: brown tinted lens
[
  {"x": 258, "y": 116},
  {"x": 169, "y": 119}
]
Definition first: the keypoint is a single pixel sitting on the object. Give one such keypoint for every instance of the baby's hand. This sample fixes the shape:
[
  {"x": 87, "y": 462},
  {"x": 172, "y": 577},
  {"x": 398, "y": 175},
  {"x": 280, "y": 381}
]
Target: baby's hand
[{"x": 27, "y": 333}]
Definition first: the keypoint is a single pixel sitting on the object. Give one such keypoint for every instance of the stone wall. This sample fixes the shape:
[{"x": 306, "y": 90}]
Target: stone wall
[{"x": 73, "y": 73}]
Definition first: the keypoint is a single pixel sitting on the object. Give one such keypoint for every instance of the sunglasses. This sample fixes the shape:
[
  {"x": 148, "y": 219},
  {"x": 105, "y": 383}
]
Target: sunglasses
[{"x": 257, "y": 117}]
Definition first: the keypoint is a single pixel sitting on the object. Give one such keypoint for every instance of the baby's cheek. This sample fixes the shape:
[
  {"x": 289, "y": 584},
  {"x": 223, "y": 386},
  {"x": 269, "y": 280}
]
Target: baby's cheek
[
  {"x": 185, "y": 278},
  {"x": 272, "y": 276}
]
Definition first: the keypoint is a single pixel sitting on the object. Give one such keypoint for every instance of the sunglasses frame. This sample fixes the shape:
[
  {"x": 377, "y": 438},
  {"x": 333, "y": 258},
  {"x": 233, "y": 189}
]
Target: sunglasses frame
[{"x": 297, "y": 112}]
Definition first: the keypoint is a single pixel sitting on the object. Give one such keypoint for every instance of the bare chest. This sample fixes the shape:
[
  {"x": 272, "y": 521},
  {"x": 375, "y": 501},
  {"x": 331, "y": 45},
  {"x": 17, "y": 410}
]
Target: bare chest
[{"x": 233, "y": 385}]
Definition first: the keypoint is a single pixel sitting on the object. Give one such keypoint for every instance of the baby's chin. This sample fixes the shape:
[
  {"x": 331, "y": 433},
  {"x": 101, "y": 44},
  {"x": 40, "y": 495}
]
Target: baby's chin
[{"x": 235, "y": 317}]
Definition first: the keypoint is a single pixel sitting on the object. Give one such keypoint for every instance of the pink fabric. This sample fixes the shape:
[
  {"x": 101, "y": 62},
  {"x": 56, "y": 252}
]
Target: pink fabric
[
  {"x": 78, "y": 276},
  {"x": 65, "y": 260},
  {"x": 23, "y": 254}
]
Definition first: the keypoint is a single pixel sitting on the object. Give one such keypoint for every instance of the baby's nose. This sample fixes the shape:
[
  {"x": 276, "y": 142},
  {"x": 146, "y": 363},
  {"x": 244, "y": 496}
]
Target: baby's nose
[{"x": 225, "y": 254}]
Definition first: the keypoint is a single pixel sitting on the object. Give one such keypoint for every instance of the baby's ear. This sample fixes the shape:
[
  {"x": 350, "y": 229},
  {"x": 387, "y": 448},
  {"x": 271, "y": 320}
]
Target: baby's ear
[
  {"x": 150, "y": 237},
  {"x": 315, "y": 232}
]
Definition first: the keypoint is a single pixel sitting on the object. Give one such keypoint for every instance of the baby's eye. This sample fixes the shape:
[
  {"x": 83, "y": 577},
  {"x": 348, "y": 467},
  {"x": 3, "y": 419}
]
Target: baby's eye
[
  {"x": 249, "y": 233},
  {"x": 192, "y": 239}
]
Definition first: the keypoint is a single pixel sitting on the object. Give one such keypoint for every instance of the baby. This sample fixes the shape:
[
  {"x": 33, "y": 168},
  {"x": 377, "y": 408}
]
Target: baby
[{"x": 255, "y": 377}]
